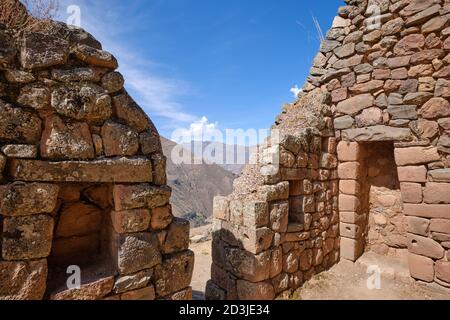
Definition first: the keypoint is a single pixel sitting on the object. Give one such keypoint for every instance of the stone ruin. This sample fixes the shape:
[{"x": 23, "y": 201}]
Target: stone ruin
[
  {"x": 361, "y": 163},
  {"x": 83, "y": 179},
  {"x": 364, "y": 160}
]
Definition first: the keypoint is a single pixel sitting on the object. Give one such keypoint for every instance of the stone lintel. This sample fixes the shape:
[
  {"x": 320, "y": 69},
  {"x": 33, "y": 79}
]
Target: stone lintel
[
  {"x": 377, "y": 133},
  {"x": 117, "y": 170}
]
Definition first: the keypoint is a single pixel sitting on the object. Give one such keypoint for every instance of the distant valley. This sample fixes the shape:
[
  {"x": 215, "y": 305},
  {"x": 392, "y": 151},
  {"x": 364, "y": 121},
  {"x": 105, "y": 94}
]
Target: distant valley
[{"x": 194, "y": 186}]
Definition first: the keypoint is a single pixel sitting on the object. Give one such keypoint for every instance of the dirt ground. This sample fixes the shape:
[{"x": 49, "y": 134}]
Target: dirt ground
[
  {"x": 202, "y": 268},
  {"x": 345, "y": 281},
  {"x": 203, "y": 260},
  {"x": 348, "y": 281}
]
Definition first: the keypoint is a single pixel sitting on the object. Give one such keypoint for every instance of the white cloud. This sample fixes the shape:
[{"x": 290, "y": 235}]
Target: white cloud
[
  {"x": 296, "y": 91},
  {"x": 156, "y": 94},
  {"x": 199, "y": 130},
  {"x": 320, "y": 35}
]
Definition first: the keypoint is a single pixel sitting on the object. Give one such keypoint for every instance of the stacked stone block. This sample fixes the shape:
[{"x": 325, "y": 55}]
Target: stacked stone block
[
  {"x": 268, "y": 243},
  {"x": 385, "y": 65},
  {"x": 352, "y": 214},
  {"x": 426, "y": 202},
  {"x": 83, "y": 178},
  {"x": 384, "y": 68}
]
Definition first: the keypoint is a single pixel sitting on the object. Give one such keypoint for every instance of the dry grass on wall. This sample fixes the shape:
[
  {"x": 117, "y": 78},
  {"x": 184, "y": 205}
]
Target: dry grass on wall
[{"x": 27, "y": 14}]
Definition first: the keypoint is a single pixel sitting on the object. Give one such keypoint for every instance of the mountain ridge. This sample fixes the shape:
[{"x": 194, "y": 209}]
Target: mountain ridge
[{"x": 194, "y": 186}]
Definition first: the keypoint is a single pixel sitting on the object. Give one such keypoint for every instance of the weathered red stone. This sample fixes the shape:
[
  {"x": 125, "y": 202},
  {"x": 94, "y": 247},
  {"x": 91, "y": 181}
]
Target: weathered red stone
[
  {"x": 95, "y": 56},
  {"x": 138, "y": 196},
  {"x": 91, "y": 291},
  {"x": 128, "y": 111},
  {"x": 20, "y": 199},
  {"x": 78, "y": 219},
  {"x": 174, "y": 273},
  {"x": 411, "y": 192},
  {"x": 40, "y": 50},
  {"x": 26, "y": 125},
  {"x": 23, "y": 280},
  {"x": 418, "y": 226},
  {"x": 349, "y": 170},
  {"x": 130, "y": 221},
  {"x": 122, "y": 170},
  {"x": 147, "y": 293},
  {"x": 351, "y": 249},
  {"x": 357, "y": 103},
  {"x": 119, "y": 140},
  {"x": 421, "y": 268},
  {"x": 412, "y": 174},
  {"x": 436, "y": 193},
  {"x": 416, "y": 155},
  {"x": 440, "y": 225},
  {"x": 135, "y": 252},
  {"x": 27, "y": 237},
  {"x": 255, "y": 291},
  {"x": 161, "y": 217},
  {"x": 425, "y": 247},
  {"x": 65, "y": 141},
  {"x": 435, "y": 108},
  {"x": 443, "y": 271},
  {"x": 428, "y": 210},
  {"x": 177, "y": 238},
  {"x": 409, "y": 44}
]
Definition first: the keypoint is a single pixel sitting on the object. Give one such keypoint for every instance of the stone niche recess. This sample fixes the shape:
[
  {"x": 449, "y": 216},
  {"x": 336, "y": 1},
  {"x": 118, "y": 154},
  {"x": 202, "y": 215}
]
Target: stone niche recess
[
  {"x": 377, "y": 96},
  {"x": 83, "y": 178},
  {"x": 370, "y": 200}
]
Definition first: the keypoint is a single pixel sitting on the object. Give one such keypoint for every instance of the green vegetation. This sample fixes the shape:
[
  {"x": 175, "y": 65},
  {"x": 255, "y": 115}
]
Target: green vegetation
[{"x": 196, "y": 219}]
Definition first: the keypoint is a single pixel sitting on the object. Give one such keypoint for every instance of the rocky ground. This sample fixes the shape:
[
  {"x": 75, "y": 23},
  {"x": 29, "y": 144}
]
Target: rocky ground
[
  {"x": 201, "y": 245},
  {"x": 345, "y": 281},
  {"x": 348, "y": 281}
]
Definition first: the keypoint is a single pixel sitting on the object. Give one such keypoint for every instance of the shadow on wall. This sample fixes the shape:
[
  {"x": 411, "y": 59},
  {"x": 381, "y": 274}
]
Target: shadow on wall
[
  {"x": 238, "y": 274},
  {"x": 82, "y": 177},
  {"x": 267, "y": 243}
]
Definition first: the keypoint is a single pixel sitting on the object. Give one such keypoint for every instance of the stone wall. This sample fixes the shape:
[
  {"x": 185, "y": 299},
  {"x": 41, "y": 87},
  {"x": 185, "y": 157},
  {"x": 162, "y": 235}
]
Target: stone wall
[
  {"x": 83, "y": 179},
  {"x": 83, "y": 176},
  {"x": 389, "y": 82},
  {"x": 384, "y": 75},
  {"x": 280, "y": 225}
]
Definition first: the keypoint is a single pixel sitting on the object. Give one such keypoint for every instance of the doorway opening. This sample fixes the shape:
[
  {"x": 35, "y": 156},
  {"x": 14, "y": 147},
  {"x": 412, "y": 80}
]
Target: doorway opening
[
  {"x": 382, "y": 201},
  {"x": 370, "y": 202}
]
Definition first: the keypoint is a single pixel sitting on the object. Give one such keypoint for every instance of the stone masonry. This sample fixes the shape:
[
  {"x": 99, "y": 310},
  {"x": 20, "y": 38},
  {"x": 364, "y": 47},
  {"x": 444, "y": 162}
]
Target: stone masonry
[
  {"x": 83, "y": 179},
  {"x": 364, "y": 160},
  {"x": 279, "y": 229}
]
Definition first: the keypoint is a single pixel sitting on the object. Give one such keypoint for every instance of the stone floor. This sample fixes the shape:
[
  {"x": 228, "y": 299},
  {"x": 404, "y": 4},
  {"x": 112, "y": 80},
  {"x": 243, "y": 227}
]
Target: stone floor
[
  {"x": 348, "y": 281},
  {"x": 345, "y": 281}
]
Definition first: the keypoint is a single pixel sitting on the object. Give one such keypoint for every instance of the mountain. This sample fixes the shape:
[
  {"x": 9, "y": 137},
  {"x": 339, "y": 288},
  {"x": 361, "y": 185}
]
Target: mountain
[
  {"x": 239, "y": 155},
  {"x": 194, "y": 186}
]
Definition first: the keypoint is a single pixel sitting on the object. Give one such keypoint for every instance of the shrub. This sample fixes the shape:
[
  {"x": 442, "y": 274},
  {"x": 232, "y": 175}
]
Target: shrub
[
  {"x": 27, "y": 14},
  {"x": 196, "y": 219}
]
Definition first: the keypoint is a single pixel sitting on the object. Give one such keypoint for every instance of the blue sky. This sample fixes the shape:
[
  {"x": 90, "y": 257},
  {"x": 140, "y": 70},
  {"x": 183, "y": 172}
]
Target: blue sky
[{"x": 232, "y": 62}]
